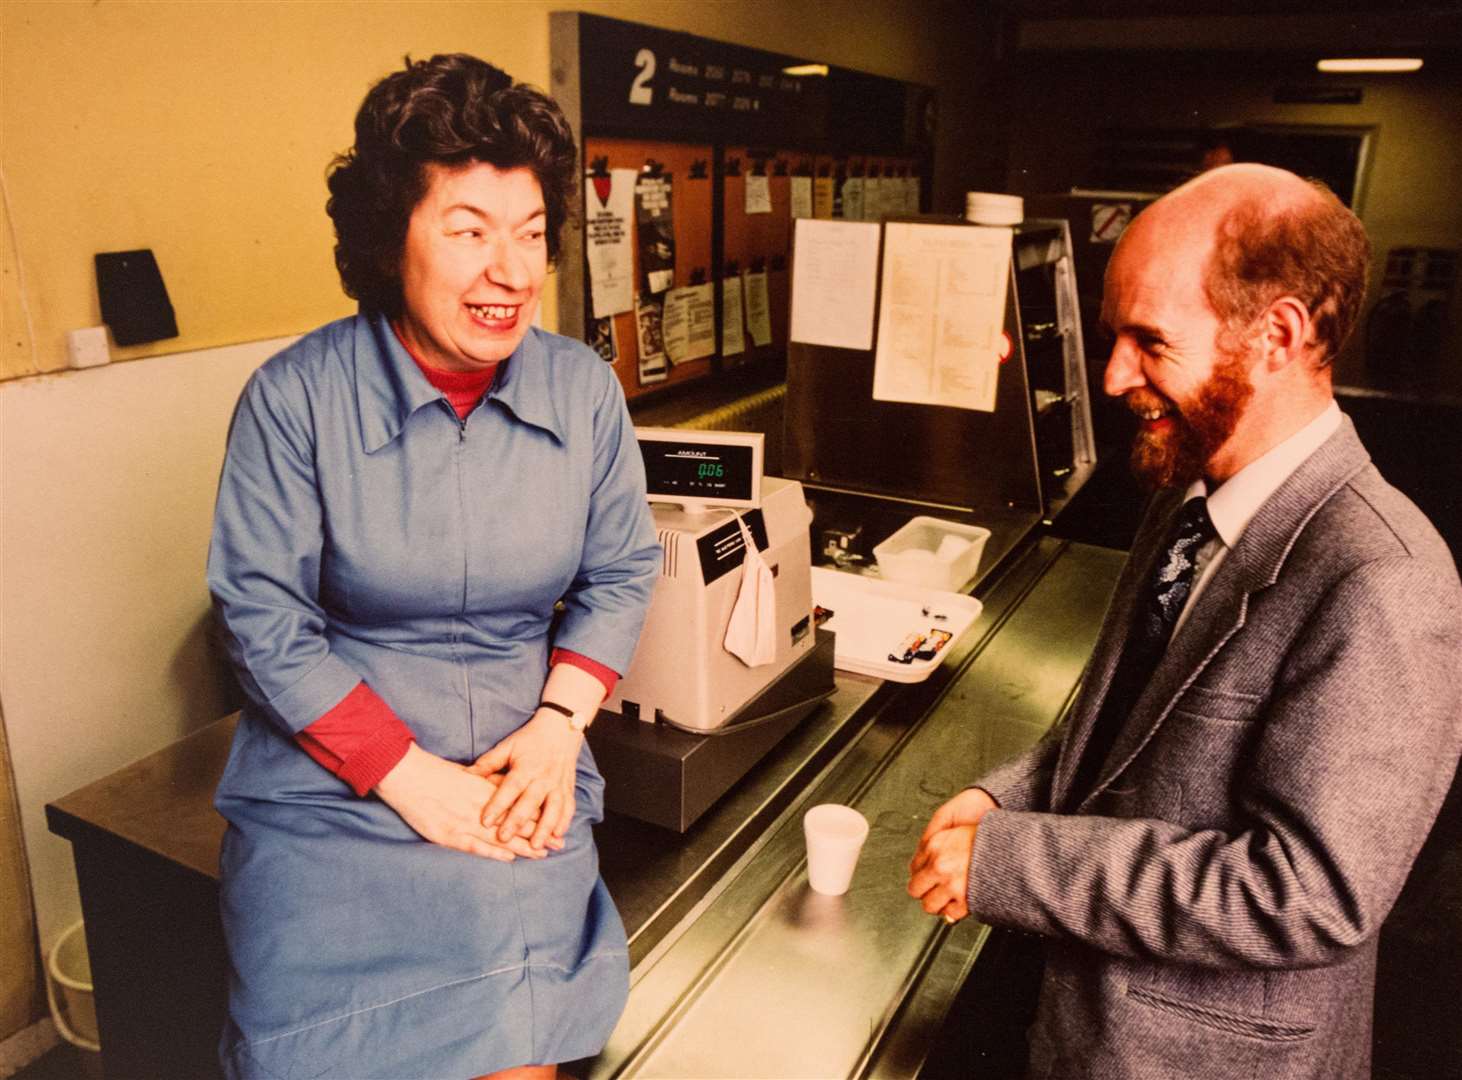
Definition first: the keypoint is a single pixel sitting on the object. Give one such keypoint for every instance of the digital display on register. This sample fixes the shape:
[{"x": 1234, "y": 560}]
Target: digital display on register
[{"x": 707, "y": 471}]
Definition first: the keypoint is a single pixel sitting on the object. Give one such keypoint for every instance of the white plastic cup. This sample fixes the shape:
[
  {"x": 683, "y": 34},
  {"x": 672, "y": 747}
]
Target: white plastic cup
[{"x": 835, "y": 836}]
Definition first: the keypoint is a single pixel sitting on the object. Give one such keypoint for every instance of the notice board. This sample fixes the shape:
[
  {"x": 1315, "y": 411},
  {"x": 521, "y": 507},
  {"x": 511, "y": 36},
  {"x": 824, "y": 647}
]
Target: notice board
[{"x": 733, "y": 127}]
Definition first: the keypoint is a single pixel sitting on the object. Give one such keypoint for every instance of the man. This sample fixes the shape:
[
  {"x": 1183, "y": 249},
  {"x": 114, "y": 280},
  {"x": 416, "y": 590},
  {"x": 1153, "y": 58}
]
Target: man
[{"x": 1271, "y": 716}]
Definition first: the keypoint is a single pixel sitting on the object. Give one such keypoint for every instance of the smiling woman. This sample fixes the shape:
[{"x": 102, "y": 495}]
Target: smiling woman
[
  {"x": 409, "y": 880},
  {"x": 473, "y": 266}
]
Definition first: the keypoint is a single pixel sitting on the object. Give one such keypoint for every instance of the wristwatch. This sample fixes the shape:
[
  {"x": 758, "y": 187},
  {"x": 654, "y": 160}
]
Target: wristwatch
[{"x": 578, "y": 723}]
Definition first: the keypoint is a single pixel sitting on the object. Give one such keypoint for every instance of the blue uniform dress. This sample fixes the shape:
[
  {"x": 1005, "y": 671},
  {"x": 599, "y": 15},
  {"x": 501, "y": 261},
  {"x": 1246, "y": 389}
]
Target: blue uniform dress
[{"x": 362, "y": 532}]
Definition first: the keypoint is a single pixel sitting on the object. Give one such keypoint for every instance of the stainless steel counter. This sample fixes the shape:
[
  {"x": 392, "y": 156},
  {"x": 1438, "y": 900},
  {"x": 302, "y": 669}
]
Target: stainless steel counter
[
  {"x": 760, "y": 977},
  {"x": 737, "y": 969}
]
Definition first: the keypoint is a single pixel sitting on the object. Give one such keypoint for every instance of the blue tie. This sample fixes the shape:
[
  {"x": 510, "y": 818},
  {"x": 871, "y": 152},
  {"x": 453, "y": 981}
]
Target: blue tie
[{"x": 1156, "y": 614}]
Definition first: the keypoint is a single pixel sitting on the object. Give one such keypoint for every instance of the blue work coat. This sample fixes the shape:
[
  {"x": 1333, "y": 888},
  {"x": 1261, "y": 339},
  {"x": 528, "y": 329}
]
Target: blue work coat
[{"x": 363, "y": 532}]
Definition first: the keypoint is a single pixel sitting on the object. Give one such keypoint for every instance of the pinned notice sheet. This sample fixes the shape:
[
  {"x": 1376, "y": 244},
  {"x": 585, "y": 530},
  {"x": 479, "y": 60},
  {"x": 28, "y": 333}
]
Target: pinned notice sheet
[
  {"x": 758, "y": 308},
  {"x": 823, "y": 193},
  {"x": 941, "y": 314},
  {"x": 690, "y": 323},
  {"x": 801, "y": 196},
  {"x": 608, "y": 206},
  {"x": 758, "y": 194},
  {"x": 733, "y": 316},
  {"x": 834, "y": 282}
]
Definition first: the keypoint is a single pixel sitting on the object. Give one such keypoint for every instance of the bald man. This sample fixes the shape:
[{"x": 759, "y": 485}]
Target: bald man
[{"x": 1270, "y": 720}]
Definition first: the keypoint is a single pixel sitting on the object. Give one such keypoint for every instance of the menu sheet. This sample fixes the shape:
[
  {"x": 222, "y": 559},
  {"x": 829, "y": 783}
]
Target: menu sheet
[
  {"x": 834, "y": 282},
  {"x": 941, "y": 314}
]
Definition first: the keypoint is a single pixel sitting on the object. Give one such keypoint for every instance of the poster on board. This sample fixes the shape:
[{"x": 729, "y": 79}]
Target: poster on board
[
  {"x": 649, "y": 326},
  {"x": 655, "y": 221},
  {"x": 608, "y": 204}
]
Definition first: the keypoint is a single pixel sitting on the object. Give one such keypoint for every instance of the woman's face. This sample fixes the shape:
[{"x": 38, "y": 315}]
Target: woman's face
[{"x": 473, "y": 265}]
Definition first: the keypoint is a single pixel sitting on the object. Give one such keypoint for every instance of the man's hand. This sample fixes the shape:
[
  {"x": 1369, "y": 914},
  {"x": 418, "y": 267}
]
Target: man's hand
[
  {"x": 939, "y": 872},
  {"x": 536, "y": 764},
  {"x": 444, "y": 801}
]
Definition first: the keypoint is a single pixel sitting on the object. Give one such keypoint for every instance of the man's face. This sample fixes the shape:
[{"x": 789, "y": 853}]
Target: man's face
[{"x": 1187, "y": 383}]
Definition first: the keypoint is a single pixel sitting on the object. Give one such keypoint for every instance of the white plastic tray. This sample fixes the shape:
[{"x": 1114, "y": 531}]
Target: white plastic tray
[{"x": 872, "y": 617}]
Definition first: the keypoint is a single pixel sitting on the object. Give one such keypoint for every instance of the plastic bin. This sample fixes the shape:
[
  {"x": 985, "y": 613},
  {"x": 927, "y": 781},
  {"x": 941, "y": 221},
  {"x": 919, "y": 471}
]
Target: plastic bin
[
  {"x": 932, "y": 552},
  {"x": 69, "y": 989}
]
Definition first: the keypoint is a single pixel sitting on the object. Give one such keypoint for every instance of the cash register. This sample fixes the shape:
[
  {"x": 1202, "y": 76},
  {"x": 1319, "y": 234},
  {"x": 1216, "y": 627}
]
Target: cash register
[{"x": 690, "y": 716}]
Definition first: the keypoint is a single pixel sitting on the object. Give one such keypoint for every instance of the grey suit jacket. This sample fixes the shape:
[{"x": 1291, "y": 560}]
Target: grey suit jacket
[{"x": 1213, "y": 904}]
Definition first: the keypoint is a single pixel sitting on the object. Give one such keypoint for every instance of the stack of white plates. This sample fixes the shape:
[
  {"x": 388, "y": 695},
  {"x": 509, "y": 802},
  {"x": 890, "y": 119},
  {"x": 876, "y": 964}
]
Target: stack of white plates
[{"x": 988, "y": 208}]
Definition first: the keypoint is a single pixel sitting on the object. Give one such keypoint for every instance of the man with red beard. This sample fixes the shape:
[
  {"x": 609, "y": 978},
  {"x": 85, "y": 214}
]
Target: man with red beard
[{"x": 1271, "y": 717}]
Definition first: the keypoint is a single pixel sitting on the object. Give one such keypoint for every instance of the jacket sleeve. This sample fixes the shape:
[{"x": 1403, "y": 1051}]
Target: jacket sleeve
[
  {"x": 604, "y": 607},
  {"x": 264, "y": 557},
  {"x": 1359, "y": 742},
  {"x": 1024, "y": 782}
]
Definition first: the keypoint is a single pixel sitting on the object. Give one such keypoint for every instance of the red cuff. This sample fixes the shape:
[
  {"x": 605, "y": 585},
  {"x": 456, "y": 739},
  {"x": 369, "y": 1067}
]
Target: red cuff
[
  {"x": 360, "y": 740},
  {"x": 608, "y": 676}
]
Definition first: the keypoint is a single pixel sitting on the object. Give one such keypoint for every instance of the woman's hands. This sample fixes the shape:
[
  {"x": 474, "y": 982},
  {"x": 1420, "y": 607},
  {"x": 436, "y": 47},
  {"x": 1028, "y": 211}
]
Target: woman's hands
[
  {"x": 444, "y": 802},
  {"x": 537, "y": 766},
  {"x": 538, "y": 762},
  {"x": 939, "y": 872}
]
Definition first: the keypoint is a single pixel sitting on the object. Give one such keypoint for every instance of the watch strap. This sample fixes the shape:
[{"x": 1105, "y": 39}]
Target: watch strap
[{"x": 575, "y": 722}]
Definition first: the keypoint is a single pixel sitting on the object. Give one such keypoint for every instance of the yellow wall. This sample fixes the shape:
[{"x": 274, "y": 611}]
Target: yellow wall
[{"x": 203, "y": 131}]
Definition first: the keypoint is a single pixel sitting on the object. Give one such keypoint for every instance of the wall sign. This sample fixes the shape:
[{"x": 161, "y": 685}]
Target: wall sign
[{"x": 654, "y": 82}]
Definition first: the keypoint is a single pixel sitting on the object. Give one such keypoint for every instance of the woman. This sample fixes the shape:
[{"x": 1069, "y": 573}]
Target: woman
[{"x": 410, "y": 886}]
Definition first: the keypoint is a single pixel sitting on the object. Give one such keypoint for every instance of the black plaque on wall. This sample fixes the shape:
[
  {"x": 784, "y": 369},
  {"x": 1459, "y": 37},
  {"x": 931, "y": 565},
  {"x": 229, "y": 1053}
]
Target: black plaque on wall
[{"x": 645, "y": 81}]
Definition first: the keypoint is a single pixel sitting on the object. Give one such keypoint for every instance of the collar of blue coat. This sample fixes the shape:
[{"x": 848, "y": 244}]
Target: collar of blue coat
[{"x": 390, "y": 387}]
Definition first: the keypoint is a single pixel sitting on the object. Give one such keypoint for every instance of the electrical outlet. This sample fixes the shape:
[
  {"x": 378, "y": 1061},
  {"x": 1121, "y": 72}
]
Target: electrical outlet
[{"x": 88, "y": 347}]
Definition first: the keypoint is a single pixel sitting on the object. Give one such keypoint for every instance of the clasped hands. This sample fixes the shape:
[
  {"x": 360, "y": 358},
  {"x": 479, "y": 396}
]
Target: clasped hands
[
  {"x": 939, "y": 871},
  {"x": 515, "y": 800}
]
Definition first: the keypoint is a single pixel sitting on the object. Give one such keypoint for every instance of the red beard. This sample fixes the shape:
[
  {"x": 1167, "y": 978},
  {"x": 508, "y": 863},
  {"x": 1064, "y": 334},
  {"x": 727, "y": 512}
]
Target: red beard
[{"x": 1177, "y": 456}]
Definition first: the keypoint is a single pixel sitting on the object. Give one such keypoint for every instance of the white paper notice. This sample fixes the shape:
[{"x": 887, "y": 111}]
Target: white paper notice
[
  {"x": 853, "y": 198},
  {"x": 758, "y": 194},
  {"x": 822, "y": 197},
  {"x": 801, "y": 196},
  {"x": 834, "y": 282},
  {"x": 909, "y": 194},
  {"x": 609, "y": 203},
  {"x": 650, "y": 317},
  {"x": 758, "y": 309},
  {"x": 733, "y": 318},
  {"x": 690, "y": 323},
  {"x": 873, "y": 206},
  {"x": 941, "y": 314}
]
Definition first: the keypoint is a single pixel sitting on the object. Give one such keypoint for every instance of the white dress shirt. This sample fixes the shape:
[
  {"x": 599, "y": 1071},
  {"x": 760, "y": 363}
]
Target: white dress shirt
[{"x": 1233, "y": 504}]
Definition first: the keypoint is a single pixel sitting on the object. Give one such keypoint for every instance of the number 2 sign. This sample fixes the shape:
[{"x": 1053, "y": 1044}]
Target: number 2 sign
[{"x": 640, "y": 91}]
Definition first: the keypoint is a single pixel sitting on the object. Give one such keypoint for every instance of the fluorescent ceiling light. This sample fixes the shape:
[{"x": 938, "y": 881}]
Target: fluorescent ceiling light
[
  {"x": 805, "y": 69},
  {"x": 1382, "y": 63}
]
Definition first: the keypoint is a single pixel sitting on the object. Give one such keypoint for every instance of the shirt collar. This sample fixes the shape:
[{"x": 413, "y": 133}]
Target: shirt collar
[
  {"x": 392, "y": 388},
  {"x": 1233, "y": 504},
  {"x": 522, "y": 385}
]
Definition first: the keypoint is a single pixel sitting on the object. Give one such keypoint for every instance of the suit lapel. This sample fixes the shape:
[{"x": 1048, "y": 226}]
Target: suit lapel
[
  {"x": 1146, "y": 549},
  {"x": 1254, "y": 564}
]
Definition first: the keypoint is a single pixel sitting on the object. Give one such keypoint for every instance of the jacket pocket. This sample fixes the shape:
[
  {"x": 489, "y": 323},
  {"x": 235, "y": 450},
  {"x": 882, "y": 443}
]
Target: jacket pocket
[
  {"x": 1234, "y": 1023},
  {"x": 1210, "y": 703}
]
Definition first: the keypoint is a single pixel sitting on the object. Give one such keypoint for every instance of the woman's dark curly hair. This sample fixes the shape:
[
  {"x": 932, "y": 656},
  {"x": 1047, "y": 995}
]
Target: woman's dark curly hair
[{"x": 452, "y": 109}]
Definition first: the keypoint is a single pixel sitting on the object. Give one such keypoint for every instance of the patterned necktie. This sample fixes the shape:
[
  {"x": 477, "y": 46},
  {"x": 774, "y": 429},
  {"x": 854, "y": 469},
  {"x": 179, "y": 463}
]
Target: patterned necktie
[{"x": 1153, "y": 620}]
